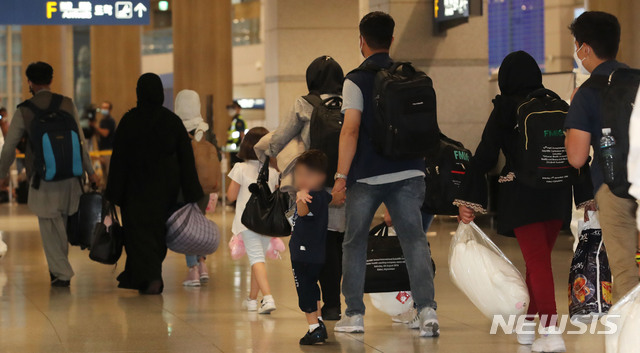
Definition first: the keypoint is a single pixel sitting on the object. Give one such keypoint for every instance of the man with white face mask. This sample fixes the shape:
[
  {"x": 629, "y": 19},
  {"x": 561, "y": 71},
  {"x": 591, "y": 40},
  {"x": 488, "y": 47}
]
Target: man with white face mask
[
  {"x": 597, "y": 37},
  {"x": 236, "y": 132}
]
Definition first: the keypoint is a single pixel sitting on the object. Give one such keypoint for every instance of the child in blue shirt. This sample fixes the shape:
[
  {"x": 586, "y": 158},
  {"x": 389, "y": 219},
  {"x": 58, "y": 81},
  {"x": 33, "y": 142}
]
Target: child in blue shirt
[{"x": 308, "y": 241}]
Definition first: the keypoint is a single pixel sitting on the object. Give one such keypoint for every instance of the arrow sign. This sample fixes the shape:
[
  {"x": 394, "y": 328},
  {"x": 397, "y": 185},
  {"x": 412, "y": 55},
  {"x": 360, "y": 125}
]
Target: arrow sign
[{"x": 140, "y": 9}]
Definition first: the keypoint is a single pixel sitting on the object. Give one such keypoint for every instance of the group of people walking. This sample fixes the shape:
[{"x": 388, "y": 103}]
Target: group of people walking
[{"x": 151, "y": 173}]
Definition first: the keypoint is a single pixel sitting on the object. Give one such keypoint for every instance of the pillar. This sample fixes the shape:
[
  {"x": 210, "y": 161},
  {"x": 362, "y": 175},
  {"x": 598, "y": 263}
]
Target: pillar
[
  {"x": 296, "y": 32},
  {"x": 202, "y": 55},
  {"x": 115, "y": 66},
  {"x": 457, "y": 61},
  {"x": 627, "y": 13},
  {"x": 54, "y": 45}
]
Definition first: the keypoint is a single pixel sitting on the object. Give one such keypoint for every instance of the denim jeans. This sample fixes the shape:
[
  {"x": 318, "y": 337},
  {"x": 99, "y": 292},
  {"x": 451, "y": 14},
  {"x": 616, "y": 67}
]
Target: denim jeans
[
  {"x": 403, "y": 200},
  {"x": 192, "y": 260}
]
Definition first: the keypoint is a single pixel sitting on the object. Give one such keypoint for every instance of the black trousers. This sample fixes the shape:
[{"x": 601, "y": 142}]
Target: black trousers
[
  {"x": 331, "y": 275},
  {"x": 306, "y": 278}
]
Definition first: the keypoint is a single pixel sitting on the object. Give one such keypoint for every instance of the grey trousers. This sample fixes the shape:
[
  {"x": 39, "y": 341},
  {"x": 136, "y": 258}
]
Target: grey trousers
[{"x": 56, "y": 246}]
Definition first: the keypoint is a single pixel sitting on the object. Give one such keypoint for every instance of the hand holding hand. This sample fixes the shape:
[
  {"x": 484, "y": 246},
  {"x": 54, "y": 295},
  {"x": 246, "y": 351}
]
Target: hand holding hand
[
  {"x": 466, "y": 215},
  {"x": 303, "y": 195}
]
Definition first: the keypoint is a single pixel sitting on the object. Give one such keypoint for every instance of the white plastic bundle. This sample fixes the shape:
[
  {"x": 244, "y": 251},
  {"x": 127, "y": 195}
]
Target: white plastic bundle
[
  {"x": 626, "y": 315},
  {"x": 3, "y": 247},
  {"x": 487, "y": 277},
  {"x": 392, "y": 303}
]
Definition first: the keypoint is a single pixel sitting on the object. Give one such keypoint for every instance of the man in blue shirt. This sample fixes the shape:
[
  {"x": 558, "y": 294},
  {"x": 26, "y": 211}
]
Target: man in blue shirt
[
  {"x": 373, "y": 179},
  {"x": 597, "y": 39}
]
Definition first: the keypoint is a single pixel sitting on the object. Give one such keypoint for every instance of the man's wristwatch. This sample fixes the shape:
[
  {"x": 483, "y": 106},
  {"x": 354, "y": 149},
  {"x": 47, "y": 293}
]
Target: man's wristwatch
[{"x": 339, "y": 176}]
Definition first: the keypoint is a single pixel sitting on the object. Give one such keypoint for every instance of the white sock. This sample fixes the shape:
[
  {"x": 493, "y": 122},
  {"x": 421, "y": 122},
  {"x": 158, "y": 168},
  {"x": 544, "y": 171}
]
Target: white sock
[
  {"x": 320, "y": 318},
  {"x": 313, "y": 327},
  {"x": 267, "y": 298}
]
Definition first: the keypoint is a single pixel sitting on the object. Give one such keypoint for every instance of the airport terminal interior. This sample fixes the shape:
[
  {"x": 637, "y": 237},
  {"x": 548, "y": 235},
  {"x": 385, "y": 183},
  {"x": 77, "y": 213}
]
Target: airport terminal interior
[{"x": 246, "y": 59}]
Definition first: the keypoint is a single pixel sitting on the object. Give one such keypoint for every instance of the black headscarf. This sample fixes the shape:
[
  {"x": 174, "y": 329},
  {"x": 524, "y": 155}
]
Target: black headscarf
[
  {"x": 325, "y": 76},
  {"x": 519, "y": 74},
  {"x": 150, "y": 91}
]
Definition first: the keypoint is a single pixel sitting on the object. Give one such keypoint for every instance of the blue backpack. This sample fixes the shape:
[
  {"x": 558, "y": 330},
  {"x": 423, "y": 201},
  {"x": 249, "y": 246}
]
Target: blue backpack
[{"x": 55, "y": 142}]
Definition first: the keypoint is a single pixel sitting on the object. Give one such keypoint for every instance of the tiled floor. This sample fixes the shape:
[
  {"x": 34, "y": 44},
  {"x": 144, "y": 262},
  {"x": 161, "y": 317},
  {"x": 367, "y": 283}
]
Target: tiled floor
[{"x": 94, "y": 316}]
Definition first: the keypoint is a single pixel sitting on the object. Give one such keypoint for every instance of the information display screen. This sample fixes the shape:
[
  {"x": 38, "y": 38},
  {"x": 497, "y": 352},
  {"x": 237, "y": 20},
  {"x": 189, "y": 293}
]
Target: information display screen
[
  {"x": 447, "y": 10},
  {"x": 83, "y": 12}
]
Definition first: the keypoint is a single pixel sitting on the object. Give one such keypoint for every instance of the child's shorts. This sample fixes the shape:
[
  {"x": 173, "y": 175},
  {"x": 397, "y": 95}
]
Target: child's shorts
[
  {"x": 306, "y": 276},
  {"x": 256, "y": 246}
]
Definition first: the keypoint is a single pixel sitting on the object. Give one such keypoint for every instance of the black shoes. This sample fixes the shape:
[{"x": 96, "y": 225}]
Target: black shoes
[
  {"x": 331, "y": 314},
  {"x": 57, "y": 282},
  {"x": 318, "y": 336},
  {"x": 324, "y": 329}
]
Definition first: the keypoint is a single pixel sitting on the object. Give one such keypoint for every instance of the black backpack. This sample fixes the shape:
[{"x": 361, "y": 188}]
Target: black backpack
[
  {"x": 55, "y": 142},
  {"x": 405, "y": 124},
  {"x": 446, "y": 170},
  {"x": 618, "y": 100},
  {"x": 326, "y": 124},
  {"x": 541, "y": 157}
]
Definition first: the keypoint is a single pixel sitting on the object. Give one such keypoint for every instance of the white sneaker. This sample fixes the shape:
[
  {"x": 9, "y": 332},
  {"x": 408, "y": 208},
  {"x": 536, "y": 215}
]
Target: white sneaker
[
  {"x": 350, "y": 324},
  {"x": 250, "y": 305},
  {"x": 526, "y": 333},
  {"x": 406, "y": 317},
  {"x": 267, "y": 306},
  {"x": 429, "y": 326},
  {"x": 193, "y": 278},
  {"x": 550, "y": 341},
  {"x": 415, "y": 322}
]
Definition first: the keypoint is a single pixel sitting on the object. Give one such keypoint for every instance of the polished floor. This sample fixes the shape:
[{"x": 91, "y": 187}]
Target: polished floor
[{"x": 94, "y": 316}]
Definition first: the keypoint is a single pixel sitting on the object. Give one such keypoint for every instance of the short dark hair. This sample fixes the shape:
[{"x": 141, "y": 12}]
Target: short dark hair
[
  {"x": 40, "y": 73},
  {"x": 600, "y": 30},
  {"x": 3, "y": 109},
  {"x": 250, "y": 139},
  {"x": 377, "y": 29},
  {"x": 315, "y": 160}
]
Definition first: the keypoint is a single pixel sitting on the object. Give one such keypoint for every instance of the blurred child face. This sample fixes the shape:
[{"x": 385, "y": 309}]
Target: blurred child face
[{"x": 307, "y": 179}]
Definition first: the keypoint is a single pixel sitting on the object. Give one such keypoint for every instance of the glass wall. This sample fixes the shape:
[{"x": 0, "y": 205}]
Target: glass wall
[
  {"x": 245, "y": 26},
  {"x": 10, "y": 67}
]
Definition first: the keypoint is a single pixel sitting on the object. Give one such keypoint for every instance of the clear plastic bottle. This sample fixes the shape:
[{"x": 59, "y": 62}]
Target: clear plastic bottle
[{"x": 607, "y": 150}]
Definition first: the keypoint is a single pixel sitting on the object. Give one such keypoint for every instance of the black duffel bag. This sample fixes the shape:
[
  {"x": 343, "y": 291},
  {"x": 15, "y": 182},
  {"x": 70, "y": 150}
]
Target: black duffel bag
[
  {"x": 386, "y": 267},
  {"x": 265, "y": 212},
  {"x": 107, "y": 241}
]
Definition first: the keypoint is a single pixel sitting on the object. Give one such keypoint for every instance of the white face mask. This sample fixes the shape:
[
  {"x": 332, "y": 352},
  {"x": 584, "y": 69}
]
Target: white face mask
[{"x": 579, "y": 61}]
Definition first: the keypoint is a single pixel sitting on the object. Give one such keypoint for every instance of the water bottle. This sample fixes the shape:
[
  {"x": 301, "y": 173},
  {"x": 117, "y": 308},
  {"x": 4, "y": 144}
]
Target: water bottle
[{"x": 607, "y": 150}]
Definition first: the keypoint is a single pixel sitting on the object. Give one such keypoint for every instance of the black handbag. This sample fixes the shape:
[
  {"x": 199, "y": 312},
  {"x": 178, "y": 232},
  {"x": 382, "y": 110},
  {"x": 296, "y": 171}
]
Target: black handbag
[
  {"x": 386, "y": 267},
  {"x": 107, "y": 242},
  {"x": 265, "y": 212},
  {"x": 80, "y": 225}
]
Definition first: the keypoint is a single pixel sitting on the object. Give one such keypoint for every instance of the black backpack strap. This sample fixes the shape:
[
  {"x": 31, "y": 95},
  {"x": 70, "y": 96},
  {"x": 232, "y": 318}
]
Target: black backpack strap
[
  {"x": 314, "y": 100},
  {"x": 56, "y": 102},
  {"x": 542, "y": 92},
  {"x": 28, "y": 104}
]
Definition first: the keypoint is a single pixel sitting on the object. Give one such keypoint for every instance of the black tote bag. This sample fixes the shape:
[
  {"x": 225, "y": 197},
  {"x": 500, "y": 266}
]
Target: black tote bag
[
  {"x": 386, "y": 267},
  {"x": 107, "y": 242},
  {"x": 265, "y": 212}
]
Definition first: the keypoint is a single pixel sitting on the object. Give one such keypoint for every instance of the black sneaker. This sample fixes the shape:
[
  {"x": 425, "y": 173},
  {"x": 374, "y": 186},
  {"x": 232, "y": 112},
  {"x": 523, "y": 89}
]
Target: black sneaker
[
  {"x": 331, "y": 314},
  {"x": 315, "y": 337},
  {"x": 56, "y": 282},
  {"x": 324, "y": 329}
]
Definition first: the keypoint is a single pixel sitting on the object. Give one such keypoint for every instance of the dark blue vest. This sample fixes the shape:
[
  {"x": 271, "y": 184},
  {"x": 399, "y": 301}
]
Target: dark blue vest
[{"x": 367, "y": 162}]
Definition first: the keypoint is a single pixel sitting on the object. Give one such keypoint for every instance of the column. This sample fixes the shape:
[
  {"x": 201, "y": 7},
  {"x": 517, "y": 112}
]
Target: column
[
  {"x": 627, "y": 13},
  {"x": 457, "y": 61},
  {"x": 54, "y": 45},
  {"x": 202, "y": 55},
  {"x": 115, "y": 66},
  {"x": 297, "y": 32}
]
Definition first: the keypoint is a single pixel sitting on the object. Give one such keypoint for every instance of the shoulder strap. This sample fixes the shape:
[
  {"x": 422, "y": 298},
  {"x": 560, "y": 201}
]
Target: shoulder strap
[
  {"x": 314, "y": 100},
  {"x": 56, "y": 102},
  {"x": 28, "y": 104},
  {"x": 542, "y": 92},
  {"x": 263, "y": 176}
]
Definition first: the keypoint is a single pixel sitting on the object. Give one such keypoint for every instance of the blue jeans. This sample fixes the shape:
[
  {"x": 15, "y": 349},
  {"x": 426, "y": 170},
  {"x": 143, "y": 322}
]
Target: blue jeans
[
  {"x": 192, "y": 260},
  {"x": 427, "y": 219},
  {"x": 403, "y": 200}
]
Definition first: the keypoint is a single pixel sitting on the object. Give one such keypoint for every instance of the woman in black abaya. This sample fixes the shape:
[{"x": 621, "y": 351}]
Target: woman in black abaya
[{"x": 152, "y": 161}]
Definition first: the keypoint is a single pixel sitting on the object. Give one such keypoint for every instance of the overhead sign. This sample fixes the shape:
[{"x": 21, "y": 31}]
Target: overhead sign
[
  {"x": 447, "y": 10},
  {"x": 84, "y": 12}
]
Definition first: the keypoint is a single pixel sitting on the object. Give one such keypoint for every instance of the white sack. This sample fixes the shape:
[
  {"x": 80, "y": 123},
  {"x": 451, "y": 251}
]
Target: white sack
[
  {"x": 626, "y": 338},
  {"x": 392, "y": 303}
]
